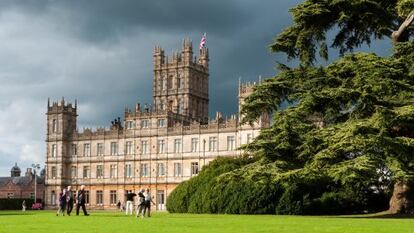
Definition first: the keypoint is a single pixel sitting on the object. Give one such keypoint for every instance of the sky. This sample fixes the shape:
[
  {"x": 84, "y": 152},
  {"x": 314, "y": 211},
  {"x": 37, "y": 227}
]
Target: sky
[{"x": 100, "y": 53}]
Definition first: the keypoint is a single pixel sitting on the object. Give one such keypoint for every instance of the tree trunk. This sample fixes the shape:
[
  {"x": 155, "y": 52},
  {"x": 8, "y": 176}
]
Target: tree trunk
[{"x": 402, "y": 200}]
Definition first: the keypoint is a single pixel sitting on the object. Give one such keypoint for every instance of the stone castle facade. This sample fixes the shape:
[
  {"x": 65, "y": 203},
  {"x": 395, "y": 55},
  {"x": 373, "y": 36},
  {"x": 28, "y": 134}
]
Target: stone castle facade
[{"x": 156, "y": 147}]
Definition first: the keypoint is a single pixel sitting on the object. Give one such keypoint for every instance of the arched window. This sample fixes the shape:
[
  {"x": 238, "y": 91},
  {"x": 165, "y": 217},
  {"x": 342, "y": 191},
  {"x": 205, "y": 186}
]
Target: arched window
[{"x": 162, "y": 105}]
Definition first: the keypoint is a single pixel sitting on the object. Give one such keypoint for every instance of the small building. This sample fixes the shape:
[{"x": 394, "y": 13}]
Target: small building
[{"x": 17, "y": 186}]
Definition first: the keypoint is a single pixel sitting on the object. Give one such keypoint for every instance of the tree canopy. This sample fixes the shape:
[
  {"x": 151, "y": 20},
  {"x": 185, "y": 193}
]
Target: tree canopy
[{"x": 354, "y": 22}]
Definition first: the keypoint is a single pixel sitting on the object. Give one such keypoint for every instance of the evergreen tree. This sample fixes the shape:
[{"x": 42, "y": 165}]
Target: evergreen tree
[{"x": 351, "y": 122}]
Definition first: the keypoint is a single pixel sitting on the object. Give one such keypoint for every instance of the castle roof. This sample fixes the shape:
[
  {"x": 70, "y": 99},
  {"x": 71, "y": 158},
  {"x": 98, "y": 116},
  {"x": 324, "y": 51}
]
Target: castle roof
[
  {"x": 20, "y": 181},
  {"x": 15, "y": 168}
]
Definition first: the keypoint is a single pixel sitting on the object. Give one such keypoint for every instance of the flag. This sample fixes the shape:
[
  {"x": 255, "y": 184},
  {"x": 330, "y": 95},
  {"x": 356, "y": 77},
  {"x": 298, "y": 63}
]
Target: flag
[{"x": 203, "y": 41}]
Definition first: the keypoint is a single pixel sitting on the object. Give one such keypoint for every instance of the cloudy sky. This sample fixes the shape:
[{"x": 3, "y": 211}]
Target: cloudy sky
[{"x": 100, "y": 52}]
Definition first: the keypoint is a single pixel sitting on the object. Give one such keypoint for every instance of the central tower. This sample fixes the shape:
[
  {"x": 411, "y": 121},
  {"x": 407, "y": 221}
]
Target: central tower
[{"x": 180, "y": 84}]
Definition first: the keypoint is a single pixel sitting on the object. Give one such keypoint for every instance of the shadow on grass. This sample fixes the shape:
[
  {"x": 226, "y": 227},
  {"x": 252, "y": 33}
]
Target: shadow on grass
[
  {"x": 14, "y": 213},
  {"x": 380, "y": 215}
]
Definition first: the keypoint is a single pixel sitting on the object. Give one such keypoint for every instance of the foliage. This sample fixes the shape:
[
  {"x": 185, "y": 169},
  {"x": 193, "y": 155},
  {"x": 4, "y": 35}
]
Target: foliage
[
  {"x": 14, "y": 203},
  {"x": 354, "y": 23}
]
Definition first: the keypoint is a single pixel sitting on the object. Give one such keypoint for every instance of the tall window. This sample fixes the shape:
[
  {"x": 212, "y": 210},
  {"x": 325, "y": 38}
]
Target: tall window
[
  {"x": 100, "y": 149},
  {"x": 230, "y": 143},
  {"x": 160, "y": 169},
  {"x": 212, "y": 144},
  {"x": 160, "y": 146},
  {"x": 86, "y": 149},
  {"x": 99, "y": 171},
  {"x": 114, "y": 148},
  {"x": 161, "y": 83},
  {"x": 99, "y": 197},
  {"x": 54, "y": 126},
  {"x": 113, "y": 171},
  {"x": 54, "y": 150},
  {"x": 144, "y": 170},
  {"x": 129, "y": 125},
  {"x": 248, "y": 138},
  {"x": 162, "y": 105},
  {"x": 144, "y": 147},
  {"x": 74, "y": 149},
  {"x": 161, "y": 123},
  {"x": 194, "y": 144},
  {"x": 177, "y": 145},
  {"x": 194, "y": 168},
  {"x": 128, "y": 170},
  {"x": 128, "y": 148},
  {"x": 73, "y": 172},
  {"x": 86, "y": 196},
  {"x": 144, "y": 124},
  {"x": 86, "y": 171},
  {"x": 112, "y": 197},
  {"x": 53, "y": 172},
  {"x": 177, "y": 169},
  {"x": 178, "y": 82},
  {"x": 53, "y": 198}
]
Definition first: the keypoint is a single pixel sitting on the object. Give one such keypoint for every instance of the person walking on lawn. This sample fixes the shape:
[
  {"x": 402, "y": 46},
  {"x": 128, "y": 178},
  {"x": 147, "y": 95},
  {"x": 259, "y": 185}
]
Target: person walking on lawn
[{"x": 81, "y": 201}]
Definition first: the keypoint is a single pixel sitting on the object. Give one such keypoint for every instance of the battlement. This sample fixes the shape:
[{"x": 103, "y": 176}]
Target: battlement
[
  {"x": 181, "y": 58},
  {"x": 61, "y": 107}
]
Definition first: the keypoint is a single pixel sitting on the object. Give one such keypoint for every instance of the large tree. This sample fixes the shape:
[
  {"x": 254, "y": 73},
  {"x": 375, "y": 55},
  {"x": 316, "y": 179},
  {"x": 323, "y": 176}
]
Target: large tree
[{"x": 353, "y": 120}]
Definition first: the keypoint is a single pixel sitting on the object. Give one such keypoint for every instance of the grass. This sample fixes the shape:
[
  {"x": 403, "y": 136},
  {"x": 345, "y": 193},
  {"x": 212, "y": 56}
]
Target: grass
[{"x": 47, "y": 221}]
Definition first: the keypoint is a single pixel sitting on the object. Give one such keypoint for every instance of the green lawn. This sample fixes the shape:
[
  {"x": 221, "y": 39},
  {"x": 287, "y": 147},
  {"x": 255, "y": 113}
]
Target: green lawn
[{"x": 47, "y": 221}]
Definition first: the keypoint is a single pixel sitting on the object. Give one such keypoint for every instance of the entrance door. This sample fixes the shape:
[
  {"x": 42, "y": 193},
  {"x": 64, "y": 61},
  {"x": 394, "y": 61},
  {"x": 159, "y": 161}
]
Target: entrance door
[{"x": 160, "y": 200}]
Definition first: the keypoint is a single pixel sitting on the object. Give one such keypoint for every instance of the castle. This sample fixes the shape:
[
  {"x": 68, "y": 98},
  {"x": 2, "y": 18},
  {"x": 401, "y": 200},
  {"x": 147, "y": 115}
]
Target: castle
[{"x": 156, "y": 147}]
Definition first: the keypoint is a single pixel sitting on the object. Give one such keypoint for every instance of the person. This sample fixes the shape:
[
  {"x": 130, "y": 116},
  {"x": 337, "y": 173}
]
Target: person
[
  {"x": 141, "y": 203},
  {"x": 24, "y": 206},
  {"x": 118, "y": 205},
  {"x": 62, "y": 203},
  {"x": 129, "y": 203},
  {"x": 69, "y": 200},
  {"x": 148, "y": 201},
  {"x": 81, "y": 201}
]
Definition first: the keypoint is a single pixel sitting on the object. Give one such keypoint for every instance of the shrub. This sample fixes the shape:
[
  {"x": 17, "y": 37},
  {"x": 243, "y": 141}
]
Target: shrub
[{"x": 14, "y": 203}]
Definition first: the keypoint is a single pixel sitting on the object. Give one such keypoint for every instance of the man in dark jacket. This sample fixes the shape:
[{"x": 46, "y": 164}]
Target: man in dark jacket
[
  {"x": 81, "y": 201},
  {"x": 130, "y": 202},
  {"x": 69, "y": 200}
]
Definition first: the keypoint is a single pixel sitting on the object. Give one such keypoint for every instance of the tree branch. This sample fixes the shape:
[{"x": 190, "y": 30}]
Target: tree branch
[{"x": 396, "y": 35}]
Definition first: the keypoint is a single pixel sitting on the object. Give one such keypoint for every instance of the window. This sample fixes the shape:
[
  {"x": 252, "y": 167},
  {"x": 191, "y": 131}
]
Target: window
[
  {"x": 54, "y": 150},
  {"x": 86, "y": 171},
  {"x": 54, "y": 172},
  {"x": 162, "y": 83},
  {"x": 230, "y": 143},
  {"x": 177, "y": 170},
  {"x": 177, "y": 145},
  {"x": 10, "y": 195},
  {"x": 194, "y": 144},
  {"x": 129, "y": 125},
  {"x": 144, "y": 170},
  {"x": 144, "y": 124},
  {"x": 86, "y": 149},
  {"x": 114, "y": 148},
  {"x": 99, "y": 197},
  {"x": 248, "y": 138},
  {"x": 144, "y": 147},
  {"x": 113, "y": 171},
  {"x": 212, "y": 144},
  {"x": 73, "y": 172},
  {"x": 128, "y": 170},
  {"x": 178, "y": 82},
  {"x": 180, "y": 107},
  {"x": 54, "y": 126},
  {"x": 160, "y": 169},
  {"x": 160, "y": 146},
  {"x": 112, "y": 197},
  {"x": 74, "y": 149},
  {"x": 32, "y": 196},
  {"x": 194, "y": 168},
  {"x": 128, "y": 148},
  {"x": 87, "y": 197},
  {"x": 53, "y": 198},
  {"x": 161, "y": 123},
  {"x": 99, "y": 171},
  {"x": 100, "y": 149},
  {"x": 162, "y": 105}
]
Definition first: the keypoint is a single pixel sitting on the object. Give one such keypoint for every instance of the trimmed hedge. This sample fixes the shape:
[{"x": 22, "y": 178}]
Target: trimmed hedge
[
  {"x": 15, "y": 203},
  {"x": 245, "y": 186}
]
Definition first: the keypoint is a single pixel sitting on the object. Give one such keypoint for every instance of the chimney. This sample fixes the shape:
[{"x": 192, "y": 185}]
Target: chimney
[{"x": 29, "y": 172}]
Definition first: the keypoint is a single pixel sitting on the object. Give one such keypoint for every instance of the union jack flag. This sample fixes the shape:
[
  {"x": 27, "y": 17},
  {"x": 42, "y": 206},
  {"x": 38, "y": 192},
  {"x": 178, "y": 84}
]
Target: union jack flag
[{"x": 203, "y": 41}]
